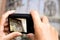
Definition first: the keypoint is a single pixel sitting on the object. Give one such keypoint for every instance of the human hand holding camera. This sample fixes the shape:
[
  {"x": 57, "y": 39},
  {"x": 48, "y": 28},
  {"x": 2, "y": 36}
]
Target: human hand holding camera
[
  {"x": 43, "y": 30},
  {"x": 2, "y": 24}
]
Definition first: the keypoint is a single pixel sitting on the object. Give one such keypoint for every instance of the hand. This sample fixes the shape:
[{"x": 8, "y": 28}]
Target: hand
[
  {"x": 43, "y": 30},
  {"x": 2, "y": 22}
]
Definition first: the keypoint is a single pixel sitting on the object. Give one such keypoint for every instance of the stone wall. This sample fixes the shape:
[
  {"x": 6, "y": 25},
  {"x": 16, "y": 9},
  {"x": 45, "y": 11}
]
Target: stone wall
[{"x": 41, "y": 6}]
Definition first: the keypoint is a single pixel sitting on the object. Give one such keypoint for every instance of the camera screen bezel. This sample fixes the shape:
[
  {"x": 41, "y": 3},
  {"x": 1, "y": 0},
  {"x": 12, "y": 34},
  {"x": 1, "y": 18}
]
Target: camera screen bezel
[{"x": 30, "y": 28}]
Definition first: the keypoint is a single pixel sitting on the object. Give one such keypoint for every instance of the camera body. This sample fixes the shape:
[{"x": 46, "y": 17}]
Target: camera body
[{"x": 20, "y": 23}]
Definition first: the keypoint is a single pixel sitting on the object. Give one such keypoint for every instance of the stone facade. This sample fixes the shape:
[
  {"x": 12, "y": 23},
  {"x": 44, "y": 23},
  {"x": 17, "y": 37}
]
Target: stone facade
[{"x": 50, "y": 8}]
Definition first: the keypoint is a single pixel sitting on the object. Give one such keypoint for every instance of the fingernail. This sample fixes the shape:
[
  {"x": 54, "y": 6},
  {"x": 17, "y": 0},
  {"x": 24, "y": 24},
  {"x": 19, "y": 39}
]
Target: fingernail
[{"x": 20, "y": 34}]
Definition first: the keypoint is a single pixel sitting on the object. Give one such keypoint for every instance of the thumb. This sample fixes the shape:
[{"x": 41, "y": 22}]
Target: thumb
[
  {"x": 12, "y": 35},
  {"x": 31, "y": 36}
]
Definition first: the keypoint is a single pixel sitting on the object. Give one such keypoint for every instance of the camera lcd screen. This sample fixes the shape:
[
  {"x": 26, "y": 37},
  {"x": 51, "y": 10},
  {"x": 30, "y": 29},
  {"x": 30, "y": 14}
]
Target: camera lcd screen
[{"x": 20, "y": 23}]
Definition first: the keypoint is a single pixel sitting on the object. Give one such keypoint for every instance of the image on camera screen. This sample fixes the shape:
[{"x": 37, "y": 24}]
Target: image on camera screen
[{"x": 18, "y": 24}]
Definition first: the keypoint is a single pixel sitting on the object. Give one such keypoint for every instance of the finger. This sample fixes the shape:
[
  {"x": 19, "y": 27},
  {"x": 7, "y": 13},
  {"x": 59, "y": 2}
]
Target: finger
[
  {"x": 6, "y": 29},
  {"x": 6, "y": 24},
  {"x": 35, "y": 16},
  {"x": 31, "y": 36},
  {"x": 37, "y": 22},
  {"x": 44, "y": 19},
  {"x": 36, "y": 19},
  {"x": 3, "y": 19},
  {"x": 12, "y": 35},
  {"x": 4, "y": 16}
]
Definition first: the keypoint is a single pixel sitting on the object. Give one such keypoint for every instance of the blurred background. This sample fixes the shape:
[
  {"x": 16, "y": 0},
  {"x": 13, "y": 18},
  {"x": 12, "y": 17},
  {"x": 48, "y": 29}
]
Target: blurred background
[{"x": 50, "y": 8}]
